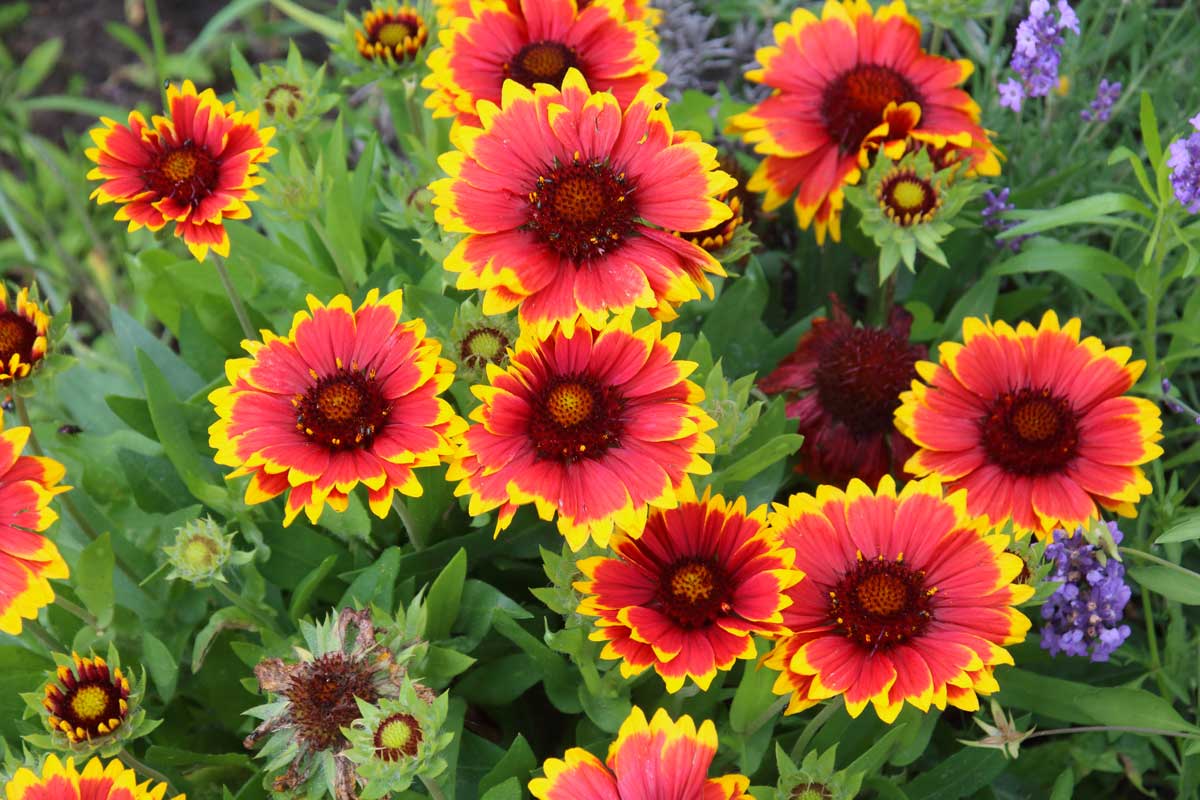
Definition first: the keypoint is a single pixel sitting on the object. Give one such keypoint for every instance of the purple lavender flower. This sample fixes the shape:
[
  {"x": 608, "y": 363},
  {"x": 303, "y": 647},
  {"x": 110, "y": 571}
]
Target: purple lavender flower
[
  {"x": 997, "y": 204},
  {"x": 1036, "y": 54},
  {"x": 1184, "y": 162},
  {"x": 1101, "y": 108},
  {"x": 1085, "y": 612}
]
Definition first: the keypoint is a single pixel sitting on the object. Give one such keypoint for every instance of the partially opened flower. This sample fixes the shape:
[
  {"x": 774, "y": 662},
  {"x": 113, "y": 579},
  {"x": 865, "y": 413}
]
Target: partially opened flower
[
  {"x": 98, "y": 781},
  {"x": 689, "y": 594},
  {"x": 477, "y": 340},
  {"x": 537, "y": 41},
  {"x": 596, "y": 426},
  {"x": 195, "y": 167},
  {"x": 347, "y": 397},
  {"x": 398, "y": 740},
  {"x": 845, "y": 85},
  {"x": 568, "y": 202},
  {"x": 90, "y": 704},
  {"x": 662, "y": 758},
  {"x": 906, "y": 599},
  {"x": 1034, "y": 423},
  {"x": 28, "y": 560},
  {"x": 23, "y": 334},
  {"x": 391, "y": 34}
]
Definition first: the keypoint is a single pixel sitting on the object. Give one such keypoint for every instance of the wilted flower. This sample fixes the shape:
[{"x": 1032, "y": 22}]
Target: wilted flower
[
  {"x": 1101, "y": 108},
  {"x": 1004, "y": 735},
  {"x": 815, "y": 778},
  {"x": 398, "y": 740},
  {"x": 1085, "y": 612},
  {"x": 1184, "y": 161},
  {"x": 1036, "y": 55},
  {"x": 201, "y": 551}
]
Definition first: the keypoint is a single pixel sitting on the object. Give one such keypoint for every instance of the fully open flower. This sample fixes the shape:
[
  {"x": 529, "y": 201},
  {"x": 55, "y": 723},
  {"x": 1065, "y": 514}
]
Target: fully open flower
[
  {"x": 27, "y": 559},
  {"x": 391, "y": 34},
  {"x": 23, "y": 329},
  {"x": 537, "y": 41},
  {"x": 689, "y": 594},
  {"x": 596, "y": 425},
  {"x": 195, "y": 167},
  {"x": 843, "y": 384},
  {"x": 1034, "y": 423},
  {"x": 347, "y": 397},
  {"x": 649, "y": 761},
  {"x": 848, "y": 83},
  {"x": 98, "y": 781},
  {"x": 905, "y": 599},
  {"x": 565, "y": 198}
]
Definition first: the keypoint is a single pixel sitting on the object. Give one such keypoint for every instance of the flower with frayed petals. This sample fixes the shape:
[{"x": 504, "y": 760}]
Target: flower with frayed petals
[
  {"x": 532, "y": 42},
  {"x": 1034, "y": 423},
  {"x": 347, "y": 397},
  {"x": 843, "y": 385},
  {"x": 905, "y": 599},
  {"x": 648, "y": 761},
  {"x": 846, "y": 84},
  {"x": 23, "y": 334},
  {"x": 27, "y": 559},
  {"x": 391, "y": 34},
  {"x": 689, "y": 594},
  {"x": 576, "y": 221},
  {"x": 98, "y": 781},
  {"x": 195, "y": 167},
  {"x": 596, "y": 425}
]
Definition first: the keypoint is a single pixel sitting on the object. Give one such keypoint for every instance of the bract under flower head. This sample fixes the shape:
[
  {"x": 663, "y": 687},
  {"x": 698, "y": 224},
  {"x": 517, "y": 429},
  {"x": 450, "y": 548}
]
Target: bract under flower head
[
  {"x": 477, "y": 340},
  {"x": 847, "y": 84},
  {"x": 575, "y": 223},
  {"x": 23, "y": 334},
  {"x": 195, "y": 167},
  {"x": 1034, "y": 423},
  {"x": 97, "y": 781},
  {"x": 648, "y": 761}
]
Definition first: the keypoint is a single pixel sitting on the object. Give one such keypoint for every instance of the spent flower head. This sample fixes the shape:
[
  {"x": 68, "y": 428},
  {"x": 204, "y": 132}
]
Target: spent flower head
[
  {"x": 1004, "y": 735},
  {"x": 1084, "y": 614},
  {"x": 399, "y": 740},
  {"x": 1184, "y": 161}
]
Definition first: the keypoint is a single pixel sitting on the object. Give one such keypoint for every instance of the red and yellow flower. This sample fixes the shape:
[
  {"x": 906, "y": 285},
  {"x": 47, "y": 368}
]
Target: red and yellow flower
[
  {"x": 533, "y": 42},
  {"x": 568, "y": 203},
  {"x": 347, "y": 397},
  {"x": 391, "y": 34},
  {"x": 23, "y": 329},
  {"x": 906, "y": 598},
  {"x": 98, "y": 781},
  {"x": 28, "y": 560},
  {"x": 196, "y": 167},
  {"x": 636, "y": 10},
  {"x": 648, "y": 761},
  {"x": 1034, "y": 423},
  {"x": 688, "y": 595},
  {"x": 596, "y": 425},
  {"x": 87, "y": 702},
  {"x": 847, "y": 84}
]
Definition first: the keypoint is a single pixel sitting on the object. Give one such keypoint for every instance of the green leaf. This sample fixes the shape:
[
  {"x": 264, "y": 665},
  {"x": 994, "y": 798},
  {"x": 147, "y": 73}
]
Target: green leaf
[
  {"x": 1064, "y": 785},
  {"x": 1123, "y": 153},
  {"x": 516, "y": 765},
  {"x": 1183, "y": 529},
  {"x": 304, "y": 590},
  {"x": 509, "y": 790},
  {"x": 873, "y": 760},
  {"x": 376, "y": 584},
  {"x": 93, "y": 579},
  {"x": 217, "y": 23},
  {"x": 132, "y": 337},
  {"x": 1082, "y": 265},
  {"x": 444, "y": 597},
  {"x": 37, "y": 65},
  {"x": 975, "y": 302},
  {"x": 750, "y": 465},
  {"x": 161, "y": 664},
  {"x": 752, "y": 698},
  {"x": 960, "y": 775},
  {"x": 1150, "y": 135},
  {"x": 1087, "y": 705},
  {"x": 1088, "y": 210},
  {"x": 129, "y": 37},
  {"x": 227, "y": 618},
  {"x": 1180, "y": 586},
  {"x": 310, "y": 19}
]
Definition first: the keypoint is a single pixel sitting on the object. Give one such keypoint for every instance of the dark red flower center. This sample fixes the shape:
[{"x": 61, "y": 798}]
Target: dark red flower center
[
  {"x": 482, "y": 346},
  {"x": 860, "y": 375},
  {"x": 582, "y": 209},
  {"x": 881, "y": 603},
  {"x": 576, "y": 418},
  {"x": 541, "y": 62},
  {"x": 342, "y": 411},
  {"x": 284, "y": 100},
  {"x": 1030, "y": 432},
  {"x": 693, "y": 592},
  {"x": 908, "y": 199},
  {"x": 186, "y": 173},
  {"x": 88, "y": 703},
  {"x": 321, "y": 698},
  {"x": 853, "y": 104},
  {"x": 397, "y": 737},
  {"x": 17, "y": 336}
]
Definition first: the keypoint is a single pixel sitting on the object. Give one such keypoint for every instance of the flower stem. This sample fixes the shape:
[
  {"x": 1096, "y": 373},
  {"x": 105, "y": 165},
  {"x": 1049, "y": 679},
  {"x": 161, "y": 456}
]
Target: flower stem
[
  {"x": 765, "y": 717},
  {"x": 235, "y": 299},
  {"x": 813, "y": 728},
  {"x": 406, "y": 519},
  {"x": 83, "y": 522},
  {"x": 1129, "y": 551},
  {"x": 44, "y": 636},
  {"x": 86, "y": 617},
  {"x": 935, "y": 39},
  {"x": 144, "y": 771},
  {"x": 434, "y": 790},
  {"x": 1114, "y": 729},
  {"x": 259, "y": 618},
  {"x": 159, "y": 45}
]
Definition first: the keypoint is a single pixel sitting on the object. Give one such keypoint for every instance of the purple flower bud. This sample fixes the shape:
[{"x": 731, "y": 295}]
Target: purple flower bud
[{"x": 1166, "y": 385}]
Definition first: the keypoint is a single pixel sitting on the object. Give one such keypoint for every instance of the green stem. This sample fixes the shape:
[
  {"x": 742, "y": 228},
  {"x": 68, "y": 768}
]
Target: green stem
[
  {"x": 235, "y": 299},
  {"x": 434, "y": 790},
  {"x": 44, "y": 636},
  {"x": 83, "y": 522},
  {"x": 159, "y": 44},
  {"x": 144, "y": 771},
  {"x": 406, "y": 519},
  {"x": 1129, "y": 551},
  {"x": 1114, "y": 729},
  {"x": 765, "y": 716},
  {"x": 935, "y": 39},
  {"x": 86, "y": 617},
  {"x": 259, "y": 618},
  {"x": 813, "y": 728}
]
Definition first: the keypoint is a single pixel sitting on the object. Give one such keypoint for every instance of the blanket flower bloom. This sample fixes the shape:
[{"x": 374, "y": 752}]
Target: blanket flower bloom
[
  {"x": 689, "y": 594},
  {"x": 98, "y": 781},
  {"x": 347, "y": 397},
  {"x": 846, "y": 84},
  {"x": 391, "y": 34},
  {"x": 1034, "y": 423},
  {"x": 23, "y": 334},
  {"x": 537, "y": 41},
  {"x": 28, "y": 560},
  {"x": 596, "y": 425},
  {"x": 906, "y": 598},
  {"x": 87, "y": 700},
  {"x": 648, "y": 761},
  {"x": 195, "y": 167},
  {"x": 569, "y": 203}
]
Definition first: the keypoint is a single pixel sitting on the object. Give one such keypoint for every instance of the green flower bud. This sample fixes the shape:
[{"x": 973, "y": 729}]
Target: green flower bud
[
  {"x": 476, "y": 341},
  {"x": 201, "y": 551},
  {"x": 815, "y": 778},
  {"x": 289, "y": 96}
]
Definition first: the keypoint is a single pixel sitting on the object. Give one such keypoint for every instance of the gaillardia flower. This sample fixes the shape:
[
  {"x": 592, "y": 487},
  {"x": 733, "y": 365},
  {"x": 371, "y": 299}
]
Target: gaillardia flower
[
  {"x": 1033, "y": 423},
  {"x": 905, "y": 599},
  {"x": 392, "y": 34},
  {"x": 347, "y": 397},
  {"x": 597, "y": 426},
  {"x": 648, "y": 761},
  {"x": 537, "y": 41},
  {"x": 23, "y": 334},
  {"x": 846, "y": 84},
  {"x": 843, "y": 385},
  {"x": 399, "y": 740},
  {"x": 27, "y": 559},
  {"x": 98, "y": 781},
  {"x": 91, "y": 703},
  {"x": 688, "y": 595},
  {"x": 576, "y": 220},
  {"x": 195, "y": 167}
]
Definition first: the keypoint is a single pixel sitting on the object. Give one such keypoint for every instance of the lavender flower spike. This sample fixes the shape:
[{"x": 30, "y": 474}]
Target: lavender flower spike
[
  {"x": 1036, "y": 54},
  {"x": 997, "y": 204},
  {"x": 1084, "y": 614},
  {"x": 1184, "y": 161},
  {"x": 1101, "y": 108}
]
